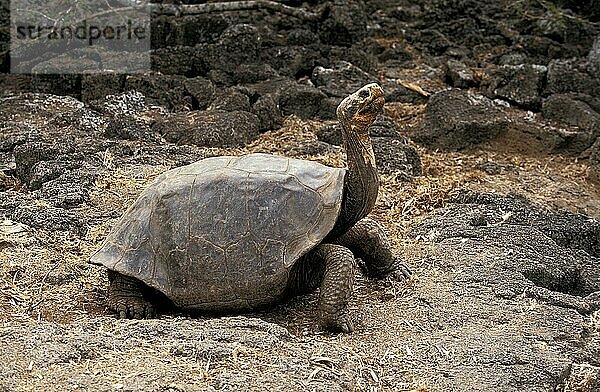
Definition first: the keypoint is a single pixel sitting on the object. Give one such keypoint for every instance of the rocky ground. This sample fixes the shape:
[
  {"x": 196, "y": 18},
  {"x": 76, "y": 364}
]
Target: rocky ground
[{"x": 489, "y": 157}]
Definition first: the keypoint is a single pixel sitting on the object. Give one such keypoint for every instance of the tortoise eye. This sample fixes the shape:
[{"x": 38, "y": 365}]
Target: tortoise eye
[{"x": 363, "y": 94}]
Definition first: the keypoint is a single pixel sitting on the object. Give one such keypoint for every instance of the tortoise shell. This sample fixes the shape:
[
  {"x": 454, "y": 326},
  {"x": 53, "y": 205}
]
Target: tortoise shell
[{"x": 224, "y": 232}]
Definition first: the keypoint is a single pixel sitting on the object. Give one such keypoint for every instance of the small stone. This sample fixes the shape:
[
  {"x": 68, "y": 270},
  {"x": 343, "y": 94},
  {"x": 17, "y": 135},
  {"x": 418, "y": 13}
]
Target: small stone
[{"x": 459, "y": 74}]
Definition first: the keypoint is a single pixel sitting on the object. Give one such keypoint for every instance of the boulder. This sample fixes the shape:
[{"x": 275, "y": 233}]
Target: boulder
[
  {"x": 292, "y": 61},
  {"x": 459, "y": 75},
  {"x": 346, "y": 23},
  {"x": 70, "y": 189},
  {"x": 555, "y": 251},
  {"x": 209, "y": 128},
  {"x": 341, "y": 80},
  {"x": 304, "y": 101},
  {"x": 96, "y": 86},
  {"x": 230, "y": 100},
  {"x": 124, "y": 104},
  {"x": 455, "y": 119},
  {"x": 268, "y": 113},
  {"x": 49, "y": 218},
  {"x": 520, "y": 84},
  {"x": 201, "y": 90},
  {"x": 569, "y": 111},
  {"x": 28, "y": 155},
  {"x": 129, "y": 128},
  {"x": 565, "y": 76},
  {"x": 168, "y": 91},
  {"x": 395, "y": 157},
  {"x": 180, "y": 60}
]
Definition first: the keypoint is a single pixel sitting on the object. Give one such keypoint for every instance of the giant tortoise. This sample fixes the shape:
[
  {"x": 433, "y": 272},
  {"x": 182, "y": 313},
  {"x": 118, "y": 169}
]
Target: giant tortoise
[{"x": 238, "y": 233}]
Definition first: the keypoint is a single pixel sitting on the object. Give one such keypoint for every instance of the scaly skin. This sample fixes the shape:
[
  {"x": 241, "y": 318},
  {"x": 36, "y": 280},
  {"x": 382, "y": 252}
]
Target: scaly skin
[
  {"x": 368, "y": 241},
  {"x": 126, "y": 297}
]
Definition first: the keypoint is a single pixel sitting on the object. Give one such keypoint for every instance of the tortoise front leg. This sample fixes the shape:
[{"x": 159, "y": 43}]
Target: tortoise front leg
[
  {"x": 368, "y": 241},
  {"x": 332, "y": 268},
  {"x": 126, "y": 298}
]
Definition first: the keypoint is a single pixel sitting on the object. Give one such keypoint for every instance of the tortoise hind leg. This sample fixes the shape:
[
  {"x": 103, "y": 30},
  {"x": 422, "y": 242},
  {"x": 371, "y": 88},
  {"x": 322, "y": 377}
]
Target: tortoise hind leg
[
  {"x": 126, "y": 297},
  {"x": 368, "y": 241},
  {"x": 332, "y": 268}
]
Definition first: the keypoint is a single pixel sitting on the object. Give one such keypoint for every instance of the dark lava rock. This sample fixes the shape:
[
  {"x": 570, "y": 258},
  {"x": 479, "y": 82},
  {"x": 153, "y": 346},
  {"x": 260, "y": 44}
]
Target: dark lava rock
[
  {"x": 252, "y": 73},
  {"x": 98, "y": 85},
  {"x": 127, "y": 103},
  {"x": 129, "y": 128},
  {"x": 459, "y": 75},
  {"x": 358, "y": 54},
  {"x": 14, "y": 133},
  {"x": 455, "y": 119},
  {"x": 180, "y": 60},
  {"x": 238, "y": 44},
  {"x": 311, "y": 148},
  {"x": 10, "y": 200},
  {"x": 330, "y": 133},
  {"x": 301, "y": 37},
  {"x": 292, "y": 61},
  {"x": 394, "y": 156},
  {"x": 346, "y": 23},
  {"x": 383, "y": 126},
  {"x": 594, "y": 160},
  {"x": 521, "y": 84},
  {"x": 202, "y": 91},
  {"x": 209, "y": 128},
  {"x": 395, "y": 55},
  {"x": 566, "y": 76},
  {"x": 556, "y": 252},
  {"x": 594, "y": 58},
  {"x": 27, "y": 155},
  {"x": 268, "y": 113},
  {"x": 569, "y": 230},
  {"x": 341, "y": 80},
  {"x": 304, "y": 101},
  {"x": 57, "y": 84},
  {"x": 69, "y": 190},
  {"x": 49, "y": 218},
  {"x": 164, "y": 90},
  {"x": 45, "y": 171},
  {"x": 187, "y": 30},
  {"x": 432, "y": 41},
  {"x": 230, "y": 100},
  {"x": 568, "y": 110}
]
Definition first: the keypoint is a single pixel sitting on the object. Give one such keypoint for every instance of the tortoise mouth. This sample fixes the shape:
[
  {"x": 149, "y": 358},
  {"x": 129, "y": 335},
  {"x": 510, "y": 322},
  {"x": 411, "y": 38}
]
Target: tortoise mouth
[{"x": 373, "y": 106}]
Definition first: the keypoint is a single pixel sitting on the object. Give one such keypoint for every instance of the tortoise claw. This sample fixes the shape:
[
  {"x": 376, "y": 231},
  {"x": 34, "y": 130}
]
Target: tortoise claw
[
  {"x": 399, "y": 272},
  {"x": 341, "y": 323},
  {"x": 132, "y": 308}
]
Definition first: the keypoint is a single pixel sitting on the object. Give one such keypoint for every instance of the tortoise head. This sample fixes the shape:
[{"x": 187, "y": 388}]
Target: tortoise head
[{"x": 359, "y": 110}]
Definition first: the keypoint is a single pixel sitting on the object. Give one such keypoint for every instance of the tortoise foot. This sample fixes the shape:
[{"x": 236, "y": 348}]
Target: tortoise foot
[
  {"x": 131, "y": 307},
  {"x": 126, "y": 298},
  {"x": 341, "y": 323},
  {"x": 400, "y": 272}
]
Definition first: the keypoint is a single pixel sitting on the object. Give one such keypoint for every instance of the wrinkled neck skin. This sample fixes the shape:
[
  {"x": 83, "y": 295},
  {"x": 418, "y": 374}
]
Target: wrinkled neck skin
[{"x": 361, "y": 183}]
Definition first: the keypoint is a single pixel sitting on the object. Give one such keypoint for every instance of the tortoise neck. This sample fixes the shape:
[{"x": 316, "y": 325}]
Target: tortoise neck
[{"x": 361, "y": 183}]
